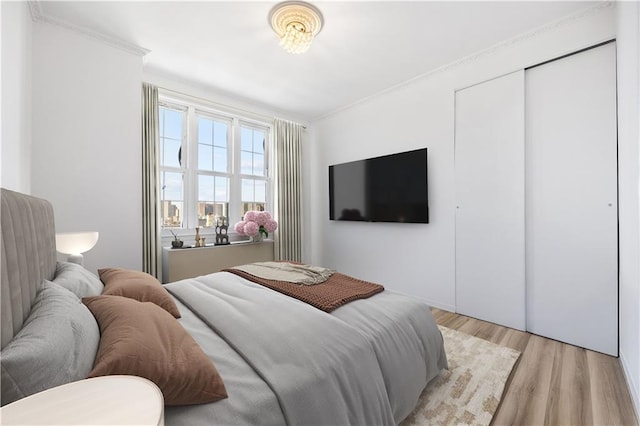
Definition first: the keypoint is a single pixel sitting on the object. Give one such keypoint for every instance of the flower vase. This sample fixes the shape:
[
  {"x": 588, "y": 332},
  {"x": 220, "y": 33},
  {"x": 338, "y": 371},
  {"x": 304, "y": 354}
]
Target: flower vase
[{"x": 257, "y": 238}]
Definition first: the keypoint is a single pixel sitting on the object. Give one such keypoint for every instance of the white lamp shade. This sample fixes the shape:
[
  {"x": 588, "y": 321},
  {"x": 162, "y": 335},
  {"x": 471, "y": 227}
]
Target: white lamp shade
[{"x": 75, "y": 242}]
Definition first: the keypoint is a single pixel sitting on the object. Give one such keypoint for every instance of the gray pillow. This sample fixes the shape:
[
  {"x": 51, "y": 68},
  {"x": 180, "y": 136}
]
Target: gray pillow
[
  {"x": 57, "y": 344},
  {"x": 77, "y": 280}
]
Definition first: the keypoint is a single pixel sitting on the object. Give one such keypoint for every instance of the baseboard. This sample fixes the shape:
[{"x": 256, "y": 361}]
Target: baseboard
[
  {"x": 432, "y": 303},
  {"x": 443, "y": 306},
  {"x": 632, "y": 385}
]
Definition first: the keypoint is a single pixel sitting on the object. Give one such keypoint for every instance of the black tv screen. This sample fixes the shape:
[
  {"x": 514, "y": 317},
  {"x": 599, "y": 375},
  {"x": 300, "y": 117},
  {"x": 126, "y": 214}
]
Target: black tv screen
[{"x": 391, "y": 188}]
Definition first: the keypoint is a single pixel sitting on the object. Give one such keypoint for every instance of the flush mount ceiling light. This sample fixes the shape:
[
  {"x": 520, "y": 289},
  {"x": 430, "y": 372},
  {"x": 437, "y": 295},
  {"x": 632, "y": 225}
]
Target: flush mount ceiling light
[{"x": 296, "y": 23}]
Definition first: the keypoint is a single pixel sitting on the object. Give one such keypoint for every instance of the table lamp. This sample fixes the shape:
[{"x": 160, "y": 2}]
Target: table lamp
[{"x": 75, "y": 243}]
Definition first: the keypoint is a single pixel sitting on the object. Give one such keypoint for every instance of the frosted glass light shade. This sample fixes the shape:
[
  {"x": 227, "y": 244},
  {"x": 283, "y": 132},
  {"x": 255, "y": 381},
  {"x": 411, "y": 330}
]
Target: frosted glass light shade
[{"x": 76, "y": 242}]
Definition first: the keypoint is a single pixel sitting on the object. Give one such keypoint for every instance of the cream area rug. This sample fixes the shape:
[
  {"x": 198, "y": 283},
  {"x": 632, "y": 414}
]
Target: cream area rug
[{"x": 470, "y": 391}]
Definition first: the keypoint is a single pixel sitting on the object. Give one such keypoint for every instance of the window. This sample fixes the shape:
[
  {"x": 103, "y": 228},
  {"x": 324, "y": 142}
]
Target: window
[
  {"x": 213, "y": 166},
  {"x": 253, "y": 169},
  {"x": 171, "y": 124},
  {"x": 213, "y": 171}
]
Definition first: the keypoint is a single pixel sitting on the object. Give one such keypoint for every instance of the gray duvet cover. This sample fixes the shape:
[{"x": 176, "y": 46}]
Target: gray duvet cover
[{"x": 286, "y": 362}]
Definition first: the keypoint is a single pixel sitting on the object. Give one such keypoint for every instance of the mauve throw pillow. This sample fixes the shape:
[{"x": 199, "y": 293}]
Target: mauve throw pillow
[
  {"x": 142, "y": 339},
  {"x": 137, "y": 285}
]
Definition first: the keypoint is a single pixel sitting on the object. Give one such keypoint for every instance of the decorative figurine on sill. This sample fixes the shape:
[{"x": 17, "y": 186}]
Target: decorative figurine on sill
[
  {"x": 177, "y": 242},
  {"x": 222, "y": 238},
  {"x": 197, "y": 237}
]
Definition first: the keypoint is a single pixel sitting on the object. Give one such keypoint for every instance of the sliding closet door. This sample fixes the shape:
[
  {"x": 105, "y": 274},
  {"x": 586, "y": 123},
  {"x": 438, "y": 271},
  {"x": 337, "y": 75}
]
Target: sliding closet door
[
  {"x": 571, "y": 179},
  {"x": 489, "y": 170}
]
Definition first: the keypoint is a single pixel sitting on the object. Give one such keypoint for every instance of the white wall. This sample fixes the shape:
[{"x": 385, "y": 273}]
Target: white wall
[
  {"x": 16, "y": 96},
  {"x": 86, "y": 153},
  {"x": 628, "y": 42},
  {"x": 414, "y": 258},
  {"x": 241, "y": 106}
]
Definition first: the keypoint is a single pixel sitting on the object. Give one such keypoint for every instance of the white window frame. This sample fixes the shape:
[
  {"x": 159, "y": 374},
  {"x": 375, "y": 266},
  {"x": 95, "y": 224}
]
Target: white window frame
[{"x": 195, "y": 107}]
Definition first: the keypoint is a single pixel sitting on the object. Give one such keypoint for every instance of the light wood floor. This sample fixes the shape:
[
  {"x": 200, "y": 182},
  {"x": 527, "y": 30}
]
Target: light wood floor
[{"x": 553, "y": 383}]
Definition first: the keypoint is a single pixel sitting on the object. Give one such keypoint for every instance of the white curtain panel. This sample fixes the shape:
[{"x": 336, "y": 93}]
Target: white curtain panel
[
  {"x": 151, "y": 245},
  {"x": 288, "y": 206}
]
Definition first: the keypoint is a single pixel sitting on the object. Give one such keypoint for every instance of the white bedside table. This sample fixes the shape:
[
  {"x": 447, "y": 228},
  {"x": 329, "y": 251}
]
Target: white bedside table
[{"x": 107, "y": 400}]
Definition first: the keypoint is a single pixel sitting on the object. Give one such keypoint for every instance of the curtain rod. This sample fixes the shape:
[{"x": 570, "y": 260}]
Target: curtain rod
[{"x": 217, "y": 104}]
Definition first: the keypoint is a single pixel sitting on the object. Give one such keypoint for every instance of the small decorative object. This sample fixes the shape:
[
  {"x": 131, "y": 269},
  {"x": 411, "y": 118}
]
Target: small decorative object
[
  {"x": 177, "y": 242},
  {"x": 197, "y": 237},
  {"x": 222, "y": 238},
  {"x": 257, "y": 225},
  {"x": 202, "y": 244}
]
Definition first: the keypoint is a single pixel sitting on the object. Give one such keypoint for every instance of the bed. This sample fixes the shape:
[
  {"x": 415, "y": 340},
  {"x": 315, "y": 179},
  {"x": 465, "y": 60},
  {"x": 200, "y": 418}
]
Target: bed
[{"x": 281, "y": 360}]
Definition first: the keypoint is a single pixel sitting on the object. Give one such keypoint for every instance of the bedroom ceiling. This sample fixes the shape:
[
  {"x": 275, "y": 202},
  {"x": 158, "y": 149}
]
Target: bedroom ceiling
[{"x": 364, "y": 47}]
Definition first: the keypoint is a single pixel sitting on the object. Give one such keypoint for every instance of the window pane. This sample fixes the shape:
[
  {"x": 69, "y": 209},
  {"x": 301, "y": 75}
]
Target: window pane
[
  {"x": 171, "y": 199},
  {"x": 260, "y": 191},
  {"x": 205, "y": 131},
  {"x": 171, "y": 186},
  {"x": 212, "y": 133},
  {"x": 246, "y": 137},
  {"x": 246, "y": 165},
  {"x": 247, "y": 190},
  {"x": 171, "y": 212},
  {"x": 210, "y": 214},
  {"x": 213, "y": 188},
  {"x": 161, "y": 152},
  {"x": 220, "y": 134},
  {"x": 169, "y": 151},
  {"x": 213, "y": 205},
  {"x": 205, "y": 157},
  {"x": 258, "y": 141},
  {"x": 254, "y": 190},
  {"x": 220, "y": 159},
  {"x": 172, "y": 124},
  {"x": 205, "y": 188},
  {"x": 258, "y": 164},
  {"x": 252, "y": 152},
  {"x": 221, "y": 188}
]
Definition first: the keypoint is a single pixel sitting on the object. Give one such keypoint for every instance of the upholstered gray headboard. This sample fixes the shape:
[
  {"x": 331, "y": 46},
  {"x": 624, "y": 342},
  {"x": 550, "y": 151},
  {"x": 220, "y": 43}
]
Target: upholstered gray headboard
[{"x": 28, "y": 255}]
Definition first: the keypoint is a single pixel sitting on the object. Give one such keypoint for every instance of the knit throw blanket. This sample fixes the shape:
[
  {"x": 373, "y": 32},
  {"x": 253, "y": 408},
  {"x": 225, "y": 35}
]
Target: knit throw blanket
[{"x": 337, "y": 290}]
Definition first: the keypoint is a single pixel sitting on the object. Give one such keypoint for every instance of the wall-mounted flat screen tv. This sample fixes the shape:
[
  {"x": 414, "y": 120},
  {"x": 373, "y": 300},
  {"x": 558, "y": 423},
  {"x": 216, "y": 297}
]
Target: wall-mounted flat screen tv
[{"x": 391, "y": 188}]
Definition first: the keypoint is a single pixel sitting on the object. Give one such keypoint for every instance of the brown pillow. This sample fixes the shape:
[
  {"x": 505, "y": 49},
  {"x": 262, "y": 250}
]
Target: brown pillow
[
  {"x": 141, "y": 339},
  {"x": 137, "y": 285}
]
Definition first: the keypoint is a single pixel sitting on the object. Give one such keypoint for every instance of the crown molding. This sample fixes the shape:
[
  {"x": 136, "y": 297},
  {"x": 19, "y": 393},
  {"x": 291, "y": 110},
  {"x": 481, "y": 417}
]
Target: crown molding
[
  {"x": 36, "y": 10},
  {"x": 506, "y": 44},
  {"x": 37, "y": 15}
]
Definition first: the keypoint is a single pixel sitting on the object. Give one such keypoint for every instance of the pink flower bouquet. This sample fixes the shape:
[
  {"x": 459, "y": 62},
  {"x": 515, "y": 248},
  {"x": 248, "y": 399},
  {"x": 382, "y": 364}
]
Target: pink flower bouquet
[{"x": 256, "y": 222}]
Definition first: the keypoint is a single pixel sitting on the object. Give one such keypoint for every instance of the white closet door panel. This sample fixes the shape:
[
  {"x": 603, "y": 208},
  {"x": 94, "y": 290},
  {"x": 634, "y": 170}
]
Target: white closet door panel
[
  {"x": 571, "y": 178},
  {"x": 489, "y": 169}
]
